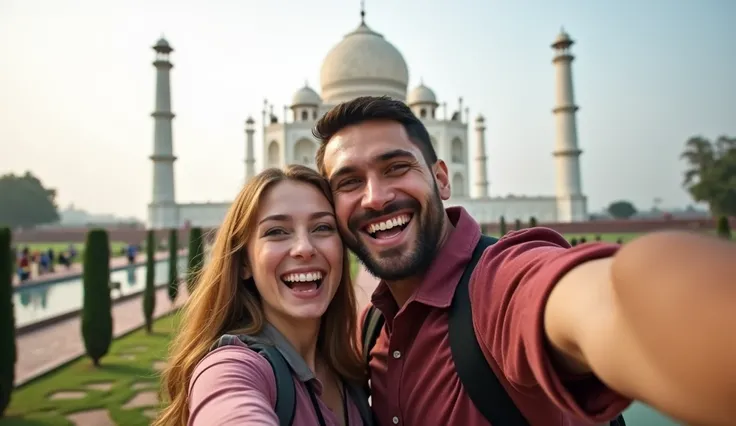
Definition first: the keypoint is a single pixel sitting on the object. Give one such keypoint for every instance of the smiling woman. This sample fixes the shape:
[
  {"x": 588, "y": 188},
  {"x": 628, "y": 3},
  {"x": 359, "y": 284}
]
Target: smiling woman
[{"x": 277, "y": 285}]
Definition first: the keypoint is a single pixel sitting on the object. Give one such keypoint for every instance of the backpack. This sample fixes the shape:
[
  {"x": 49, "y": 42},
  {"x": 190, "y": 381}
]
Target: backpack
[
  {"x": 285, "y": 390},
  {"x": 477, "y": 377}
]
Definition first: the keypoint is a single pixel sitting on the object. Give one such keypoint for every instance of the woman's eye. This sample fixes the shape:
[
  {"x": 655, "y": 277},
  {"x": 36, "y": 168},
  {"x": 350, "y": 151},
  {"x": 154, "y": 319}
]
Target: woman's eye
[
  {"x": 324, "y": 228},
  {"x": 274, "y": 232}
]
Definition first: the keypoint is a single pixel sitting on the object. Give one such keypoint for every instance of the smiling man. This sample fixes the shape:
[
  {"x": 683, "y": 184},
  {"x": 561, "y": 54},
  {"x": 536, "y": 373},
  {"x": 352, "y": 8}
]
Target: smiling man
[{"x": 571, "y": 334}]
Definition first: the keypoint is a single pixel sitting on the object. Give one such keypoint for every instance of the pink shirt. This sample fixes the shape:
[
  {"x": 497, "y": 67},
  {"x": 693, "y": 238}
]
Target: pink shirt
[{"x": 234, "y": 385}]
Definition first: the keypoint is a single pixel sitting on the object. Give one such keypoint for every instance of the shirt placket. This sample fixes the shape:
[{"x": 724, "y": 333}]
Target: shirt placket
[{"x": 403, "y": 325}]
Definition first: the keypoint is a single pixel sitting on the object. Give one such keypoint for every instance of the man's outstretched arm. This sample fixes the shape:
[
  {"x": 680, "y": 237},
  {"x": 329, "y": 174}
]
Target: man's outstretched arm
[{"x": 655, "y": 322}]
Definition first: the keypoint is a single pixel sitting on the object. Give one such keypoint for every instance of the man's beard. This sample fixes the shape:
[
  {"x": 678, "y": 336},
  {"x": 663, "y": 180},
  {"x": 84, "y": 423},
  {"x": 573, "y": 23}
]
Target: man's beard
[{"x": 396, "y": 263}]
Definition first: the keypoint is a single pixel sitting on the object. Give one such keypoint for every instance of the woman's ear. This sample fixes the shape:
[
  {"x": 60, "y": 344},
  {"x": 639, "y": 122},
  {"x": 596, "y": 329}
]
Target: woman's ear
[{"x": 245, "y": 272}]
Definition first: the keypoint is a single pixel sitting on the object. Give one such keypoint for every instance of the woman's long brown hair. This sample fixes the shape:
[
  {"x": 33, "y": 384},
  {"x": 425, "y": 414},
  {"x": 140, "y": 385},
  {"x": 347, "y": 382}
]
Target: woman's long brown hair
[{"x": 223, "y": 303}]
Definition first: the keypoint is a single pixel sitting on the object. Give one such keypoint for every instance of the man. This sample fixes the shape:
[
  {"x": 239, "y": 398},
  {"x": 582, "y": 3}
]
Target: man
[{"x": 573, "y": 334}]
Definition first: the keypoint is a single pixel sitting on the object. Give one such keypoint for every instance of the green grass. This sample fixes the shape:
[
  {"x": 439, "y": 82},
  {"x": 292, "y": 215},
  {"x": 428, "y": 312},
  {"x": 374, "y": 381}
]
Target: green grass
[
  {"x": 115, "y": 248},
  {"x": 30, "y": 404},
  {"x": 609, "y": 238}
]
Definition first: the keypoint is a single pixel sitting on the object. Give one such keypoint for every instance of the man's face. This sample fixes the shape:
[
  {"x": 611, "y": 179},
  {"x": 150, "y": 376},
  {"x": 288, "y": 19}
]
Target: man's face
[{"x": 388, "y": 201}]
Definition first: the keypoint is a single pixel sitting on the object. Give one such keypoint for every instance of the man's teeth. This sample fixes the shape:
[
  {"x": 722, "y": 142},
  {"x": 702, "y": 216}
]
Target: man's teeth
[
  {"x": 303, "y": 277},
  {"x": 388, "y": 224}
]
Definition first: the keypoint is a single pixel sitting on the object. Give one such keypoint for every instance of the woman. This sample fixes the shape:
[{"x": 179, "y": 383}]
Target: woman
[{"x": 279, "y": 275}]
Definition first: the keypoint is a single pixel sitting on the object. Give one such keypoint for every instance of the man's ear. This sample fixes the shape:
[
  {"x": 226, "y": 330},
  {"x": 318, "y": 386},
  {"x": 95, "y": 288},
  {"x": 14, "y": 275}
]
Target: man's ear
[{"x": 442, "y": 177}]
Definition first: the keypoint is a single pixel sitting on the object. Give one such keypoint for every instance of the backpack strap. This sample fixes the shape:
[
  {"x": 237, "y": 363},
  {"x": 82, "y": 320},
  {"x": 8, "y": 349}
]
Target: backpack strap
[
  {"x": 372, "y": 326},
  {"x": 285, "y": 390},
  {"x": 478, "y": 379}
]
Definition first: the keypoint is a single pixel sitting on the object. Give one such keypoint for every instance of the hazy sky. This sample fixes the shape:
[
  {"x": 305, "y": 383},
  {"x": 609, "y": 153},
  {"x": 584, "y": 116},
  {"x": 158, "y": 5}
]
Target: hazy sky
[{"x": 77, "y": 86}]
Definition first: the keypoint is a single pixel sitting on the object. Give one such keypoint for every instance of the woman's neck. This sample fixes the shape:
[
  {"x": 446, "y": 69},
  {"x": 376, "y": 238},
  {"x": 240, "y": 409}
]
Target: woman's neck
[{"x": 302, "y": 334}]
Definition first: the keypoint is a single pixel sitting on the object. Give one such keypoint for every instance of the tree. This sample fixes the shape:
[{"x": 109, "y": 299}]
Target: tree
[
  {"x": 517, "y": 224},
  {"x": 8, "y": 354},
  {"x": 97, "y": 303},
  {"x": 149, "y": 293},
  {"x": 621, "y": 209},
  {"x": 710, "y": 176},
  {"x": 532, "y": 222},
  {"x": 173, "y": 264},
  {"x": 196, "y": 257},
  {"x": 724, "y": 229},
  {"x": 25, "y": 202},
  {"x": 502, "y": 229}
]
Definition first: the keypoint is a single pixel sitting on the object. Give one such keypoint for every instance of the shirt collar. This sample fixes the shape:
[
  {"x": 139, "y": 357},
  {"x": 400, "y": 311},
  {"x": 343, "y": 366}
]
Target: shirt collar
[{"x": 271, "y": 335}]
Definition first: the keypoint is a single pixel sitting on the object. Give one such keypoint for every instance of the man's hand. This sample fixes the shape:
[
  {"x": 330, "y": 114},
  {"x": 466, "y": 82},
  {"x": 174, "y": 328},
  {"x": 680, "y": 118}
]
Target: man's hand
[{"x": 657, "y": 323}]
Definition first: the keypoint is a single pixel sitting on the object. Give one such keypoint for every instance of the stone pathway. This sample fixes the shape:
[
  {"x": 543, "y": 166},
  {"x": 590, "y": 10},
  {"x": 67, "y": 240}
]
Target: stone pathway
[{"x": 42, "y": 350}]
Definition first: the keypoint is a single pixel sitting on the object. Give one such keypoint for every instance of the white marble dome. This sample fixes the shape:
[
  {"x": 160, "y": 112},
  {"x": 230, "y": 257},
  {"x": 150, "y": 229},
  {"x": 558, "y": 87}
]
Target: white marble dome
[
  {"x": 421, "y": 95},
  {"x": 305, "y": 96},
  {"x": 363, "y": 64}
]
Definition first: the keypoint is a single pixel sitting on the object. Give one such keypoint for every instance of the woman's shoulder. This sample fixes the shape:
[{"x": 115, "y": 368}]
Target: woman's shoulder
[{"x": 234, "y": 365}]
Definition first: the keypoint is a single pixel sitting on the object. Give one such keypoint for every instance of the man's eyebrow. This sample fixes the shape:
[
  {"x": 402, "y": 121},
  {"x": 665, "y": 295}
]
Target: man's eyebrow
[{"x": 380, "y": 158}]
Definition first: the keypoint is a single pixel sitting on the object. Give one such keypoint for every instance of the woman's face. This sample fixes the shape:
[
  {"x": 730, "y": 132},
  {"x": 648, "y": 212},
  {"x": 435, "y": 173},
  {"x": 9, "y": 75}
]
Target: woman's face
[{"x": 295, "y": 254}]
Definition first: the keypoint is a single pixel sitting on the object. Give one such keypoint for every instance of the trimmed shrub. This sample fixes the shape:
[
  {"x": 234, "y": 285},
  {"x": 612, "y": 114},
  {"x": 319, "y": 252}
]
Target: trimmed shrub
[
  {"x": 723, "y": 229},
  {"x": 502, "y": 229},
  {"x": 97, "y": 303},
  {"x": 517, "y": 224},
  {"x": 173, "y": 264},
  {"x": 196, "y": 257},
  {"x": 532, "y": 222},
  {"x": 149, "y": 293},
  {"x": 8, "y": 354}
]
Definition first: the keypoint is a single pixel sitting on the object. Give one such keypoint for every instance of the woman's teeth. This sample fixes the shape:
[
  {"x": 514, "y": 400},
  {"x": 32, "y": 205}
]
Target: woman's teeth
[
  {"x": 388, "y": 224},
  {"x": 302, "y": 277}
]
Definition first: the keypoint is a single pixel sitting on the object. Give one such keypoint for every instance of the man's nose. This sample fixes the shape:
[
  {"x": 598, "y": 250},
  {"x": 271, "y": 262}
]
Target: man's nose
[{"x": 376, "y": 195}]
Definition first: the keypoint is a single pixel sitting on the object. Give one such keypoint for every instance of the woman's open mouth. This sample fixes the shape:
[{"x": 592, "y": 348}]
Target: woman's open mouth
[{"x": 303, "y": 282}]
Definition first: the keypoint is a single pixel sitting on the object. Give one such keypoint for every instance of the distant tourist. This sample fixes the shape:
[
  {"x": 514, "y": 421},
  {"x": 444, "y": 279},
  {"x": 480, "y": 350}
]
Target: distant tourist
[
  {"x": 24, "y": 265},
  {"x": 131, "y": 253},
  {"x": 44, "y": 263}
]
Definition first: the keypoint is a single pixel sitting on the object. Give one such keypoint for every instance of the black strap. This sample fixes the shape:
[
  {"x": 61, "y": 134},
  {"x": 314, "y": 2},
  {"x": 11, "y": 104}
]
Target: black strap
[
  {"x": 315, "y": 405},
  {"x": 478, "y": 379},
  {"x": 285, "y": 391}
]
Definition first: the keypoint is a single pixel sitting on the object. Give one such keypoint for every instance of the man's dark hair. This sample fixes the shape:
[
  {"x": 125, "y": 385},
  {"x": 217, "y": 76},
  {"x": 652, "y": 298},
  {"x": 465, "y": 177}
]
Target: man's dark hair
[{"x": 367, "y": 108}]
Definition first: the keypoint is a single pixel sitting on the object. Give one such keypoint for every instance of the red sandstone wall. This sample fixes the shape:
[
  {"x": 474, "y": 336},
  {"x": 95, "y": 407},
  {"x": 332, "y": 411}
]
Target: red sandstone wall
[{"x": 136, "y": 236}]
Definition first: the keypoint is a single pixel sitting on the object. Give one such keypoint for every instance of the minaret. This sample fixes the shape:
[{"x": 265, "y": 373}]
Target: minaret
[
  {"x": 480, "y": 189},
  {"x": 250, "y": 158},
  {"x": 163, "y": 211},
  {"x": 571, "y": 203}
]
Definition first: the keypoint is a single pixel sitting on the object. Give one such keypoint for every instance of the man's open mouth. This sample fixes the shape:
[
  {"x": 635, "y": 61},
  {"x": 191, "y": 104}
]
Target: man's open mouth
[{"x": 388, "y": 228}]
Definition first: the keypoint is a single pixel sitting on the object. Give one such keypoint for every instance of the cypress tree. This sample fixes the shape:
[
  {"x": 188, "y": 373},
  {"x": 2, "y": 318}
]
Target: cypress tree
[
  {"x": 97, "y": 303},
  {"x": 517, "y": 224},
  {"x": 502, "y": 226},
  {"x": 173, "y": 264},
  {"x": 724, "y": 229},
  {"x": 196, "y": 257},
  {"x": 8, "y": 353},
  {"x": 532, "y": 222},
  {"x": 149, "y": 294}
]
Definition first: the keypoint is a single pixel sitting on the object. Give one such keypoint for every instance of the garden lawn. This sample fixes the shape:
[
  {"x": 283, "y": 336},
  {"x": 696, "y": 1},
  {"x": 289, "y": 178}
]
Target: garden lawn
[{"x": 128, "y": 374}]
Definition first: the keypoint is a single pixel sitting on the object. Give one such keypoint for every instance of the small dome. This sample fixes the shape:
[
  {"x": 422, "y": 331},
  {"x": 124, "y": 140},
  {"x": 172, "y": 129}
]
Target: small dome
[
  {"x": 562, "y": 40},
  {"x": 162, "y": 46},
  {"x": 250, "y": 120},
  {"x": 480, "y": 119},
  {"x": 305, "y": 96},
  {"x": 421, "y": 95},
  {"x": 364, "y": 63}
]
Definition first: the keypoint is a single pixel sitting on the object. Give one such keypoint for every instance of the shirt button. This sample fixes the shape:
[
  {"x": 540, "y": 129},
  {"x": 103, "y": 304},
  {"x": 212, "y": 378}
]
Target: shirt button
[
  {"x": 397, "y": 355},
  {"x": 395, "y": 420}
]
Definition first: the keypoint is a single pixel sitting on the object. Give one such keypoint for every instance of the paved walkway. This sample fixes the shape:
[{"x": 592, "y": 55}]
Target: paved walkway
[
  {"x": 76, "y": 268},
  {"x": 42, "y": 350}
]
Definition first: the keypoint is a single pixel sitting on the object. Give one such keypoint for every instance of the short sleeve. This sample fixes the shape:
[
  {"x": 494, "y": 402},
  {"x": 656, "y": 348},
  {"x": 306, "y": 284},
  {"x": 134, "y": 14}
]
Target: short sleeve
[
  {"x": 232, "y": 385},
  {"x": 509, "y": 291}
]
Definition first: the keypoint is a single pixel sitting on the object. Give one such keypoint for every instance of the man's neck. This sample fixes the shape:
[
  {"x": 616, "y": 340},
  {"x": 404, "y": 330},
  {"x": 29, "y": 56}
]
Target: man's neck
[
  {"x": 301, "y": 334},
  {"x": 402, "y": 290}
]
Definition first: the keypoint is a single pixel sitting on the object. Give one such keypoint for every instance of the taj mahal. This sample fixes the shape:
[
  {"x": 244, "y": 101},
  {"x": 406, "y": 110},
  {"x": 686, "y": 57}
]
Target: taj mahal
[{"x": 364, "y": 63}]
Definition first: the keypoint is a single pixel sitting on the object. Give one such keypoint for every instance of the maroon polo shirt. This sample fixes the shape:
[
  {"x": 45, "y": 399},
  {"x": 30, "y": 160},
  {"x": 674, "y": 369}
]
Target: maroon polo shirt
[{"x": 412, "y": 373}]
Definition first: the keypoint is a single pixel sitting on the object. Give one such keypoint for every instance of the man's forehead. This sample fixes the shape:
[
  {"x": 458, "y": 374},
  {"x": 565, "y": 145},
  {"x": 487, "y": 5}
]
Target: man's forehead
[{"x": 364, "y": 144}]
